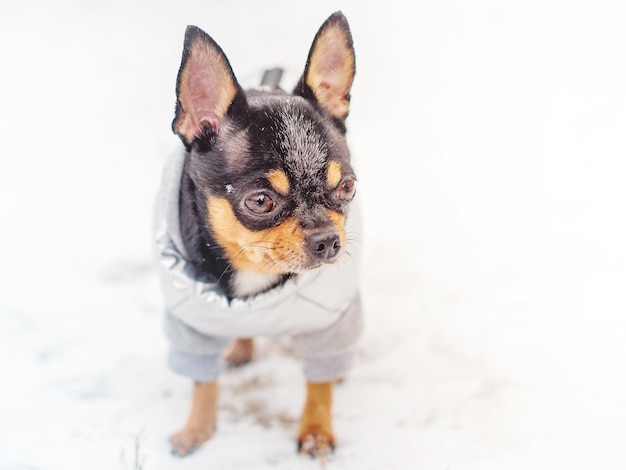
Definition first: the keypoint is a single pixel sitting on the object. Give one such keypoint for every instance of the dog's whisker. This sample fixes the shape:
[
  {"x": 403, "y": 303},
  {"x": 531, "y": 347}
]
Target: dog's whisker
[
  {"x": 230, "y": 265},
  {"x": 226, "y": 269},
  {"x": 273, "y": 262}
]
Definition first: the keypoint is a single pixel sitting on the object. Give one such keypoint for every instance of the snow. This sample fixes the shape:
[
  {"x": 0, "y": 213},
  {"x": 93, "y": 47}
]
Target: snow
[{"x": 489, "y": 143}]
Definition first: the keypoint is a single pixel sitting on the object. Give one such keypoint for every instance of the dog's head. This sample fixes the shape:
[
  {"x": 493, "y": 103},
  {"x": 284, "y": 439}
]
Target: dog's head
[{"x": 271, "y": 170}]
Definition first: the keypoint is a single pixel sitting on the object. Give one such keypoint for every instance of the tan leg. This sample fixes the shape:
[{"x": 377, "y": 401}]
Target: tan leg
[
  {"x": 316, "y": 434},
  {"x": 201, "y": 422},
  {"x": 240, "y": 353}
]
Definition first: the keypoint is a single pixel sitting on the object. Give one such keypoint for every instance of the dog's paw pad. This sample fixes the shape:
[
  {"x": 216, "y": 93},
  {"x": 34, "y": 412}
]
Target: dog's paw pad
[{"x": 317, "y": 445}]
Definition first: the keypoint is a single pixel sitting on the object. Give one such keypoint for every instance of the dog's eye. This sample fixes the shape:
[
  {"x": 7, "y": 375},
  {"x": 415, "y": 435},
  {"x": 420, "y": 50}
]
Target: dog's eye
[
  {"x": 346, "y": 190},
  {"x": 260, "y": 203}
]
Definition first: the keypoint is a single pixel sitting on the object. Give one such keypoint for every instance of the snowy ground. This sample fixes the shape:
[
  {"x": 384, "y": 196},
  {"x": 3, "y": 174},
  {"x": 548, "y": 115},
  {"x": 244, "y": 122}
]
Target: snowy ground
[{"x": 490, "y": 143}]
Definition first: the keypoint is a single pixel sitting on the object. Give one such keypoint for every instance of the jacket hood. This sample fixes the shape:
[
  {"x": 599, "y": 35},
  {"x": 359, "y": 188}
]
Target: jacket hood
[{"x": 307, "y": 301}]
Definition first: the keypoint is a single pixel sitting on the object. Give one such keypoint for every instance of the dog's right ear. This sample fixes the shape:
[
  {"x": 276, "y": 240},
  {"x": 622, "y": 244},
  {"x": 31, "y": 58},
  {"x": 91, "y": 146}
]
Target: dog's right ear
[{"x": 205, "y": 87}]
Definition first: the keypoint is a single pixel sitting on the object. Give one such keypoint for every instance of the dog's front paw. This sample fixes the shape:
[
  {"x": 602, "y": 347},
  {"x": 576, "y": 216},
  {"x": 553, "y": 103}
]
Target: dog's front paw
[
  {"x": 201, "y": 422},
  {"x": 316, "y": 432},
  {"x": 187, "y": 440},
  {"x": 316, "y": 443}
]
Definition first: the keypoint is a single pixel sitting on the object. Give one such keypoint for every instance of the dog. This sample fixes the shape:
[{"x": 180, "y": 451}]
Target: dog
[{"x": 257, "y": 232}]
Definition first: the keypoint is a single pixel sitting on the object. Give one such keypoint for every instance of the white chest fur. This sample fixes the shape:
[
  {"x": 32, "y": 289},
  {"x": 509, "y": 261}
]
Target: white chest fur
[{"x": 247, "y": 283}]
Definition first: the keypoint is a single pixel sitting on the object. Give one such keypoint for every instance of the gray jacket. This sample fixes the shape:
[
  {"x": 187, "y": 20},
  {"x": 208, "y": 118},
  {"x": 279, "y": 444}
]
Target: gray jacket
[{"x": 320, "y": 309}]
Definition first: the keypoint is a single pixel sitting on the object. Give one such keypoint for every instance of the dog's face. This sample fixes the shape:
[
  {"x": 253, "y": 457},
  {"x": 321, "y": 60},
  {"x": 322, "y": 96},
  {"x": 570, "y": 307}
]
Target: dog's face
[{"x": 271, "y": 170}]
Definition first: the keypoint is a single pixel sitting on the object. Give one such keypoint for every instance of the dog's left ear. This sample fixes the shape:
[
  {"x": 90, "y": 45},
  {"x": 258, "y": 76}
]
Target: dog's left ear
[
  {"x": 205, "y": 87},
  {"x": 330, "y": 67}
]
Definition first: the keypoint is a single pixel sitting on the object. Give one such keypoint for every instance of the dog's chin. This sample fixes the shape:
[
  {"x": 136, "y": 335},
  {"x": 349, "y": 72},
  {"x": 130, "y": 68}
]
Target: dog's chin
[{"x": 305, "y": 266}]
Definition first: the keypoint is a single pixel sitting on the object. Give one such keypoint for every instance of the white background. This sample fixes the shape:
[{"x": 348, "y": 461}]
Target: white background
[{"x": 489, "y": 139}]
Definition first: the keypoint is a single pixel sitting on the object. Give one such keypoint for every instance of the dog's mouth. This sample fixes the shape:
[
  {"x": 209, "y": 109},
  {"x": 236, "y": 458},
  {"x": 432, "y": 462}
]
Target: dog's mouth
[
  {"x": 318, "y": 248},
  {"x": 286, "y": 255}
]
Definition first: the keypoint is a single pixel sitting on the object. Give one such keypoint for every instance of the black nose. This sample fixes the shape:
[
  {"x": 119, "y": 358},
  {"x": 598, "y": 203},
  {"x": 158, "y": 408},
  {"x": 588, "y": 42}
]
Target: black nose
[{"x": 324, "y": 245}]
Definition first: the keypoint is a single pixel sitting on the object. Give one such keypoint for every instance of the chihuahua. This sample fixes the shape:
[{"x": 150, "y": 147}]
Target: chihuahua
[{"x": 257, "y": 233}]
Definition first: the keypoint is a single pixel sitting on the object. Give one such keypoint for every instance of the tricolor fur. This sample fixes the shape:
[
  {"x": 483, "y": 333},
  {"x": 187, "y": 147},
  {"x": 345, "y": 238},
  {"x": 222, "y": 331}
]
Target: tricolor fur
[{"x": 267, "y": 180}]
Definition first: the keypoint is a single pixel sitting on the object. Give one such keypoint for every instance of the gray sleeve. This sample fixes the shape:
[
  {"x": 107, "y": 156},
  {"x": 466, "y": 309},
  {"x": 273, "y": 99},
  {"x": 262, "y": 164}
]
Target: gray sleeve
[
  {"x": 193, "y": 354},
  {"x": 185, "y": 339},
  {"x": 329, "y": 354}
]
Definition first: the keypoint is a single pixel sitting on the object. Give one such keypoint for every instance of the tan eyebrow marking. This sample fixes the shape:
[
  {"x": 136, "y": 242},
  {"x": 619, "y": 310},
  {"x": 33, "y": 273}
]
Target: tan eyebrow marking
[
  {"x": 278, "y": 180},
  {"x": 333, "y": 174}
]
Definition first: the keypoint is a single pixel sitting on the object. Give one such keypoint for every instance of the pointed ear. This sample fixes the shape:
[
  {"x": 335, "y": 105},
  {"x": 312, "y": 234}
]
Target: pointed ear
[
  {"x": 330, "y": 67},
  {"x": 205, "y": 87}
]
